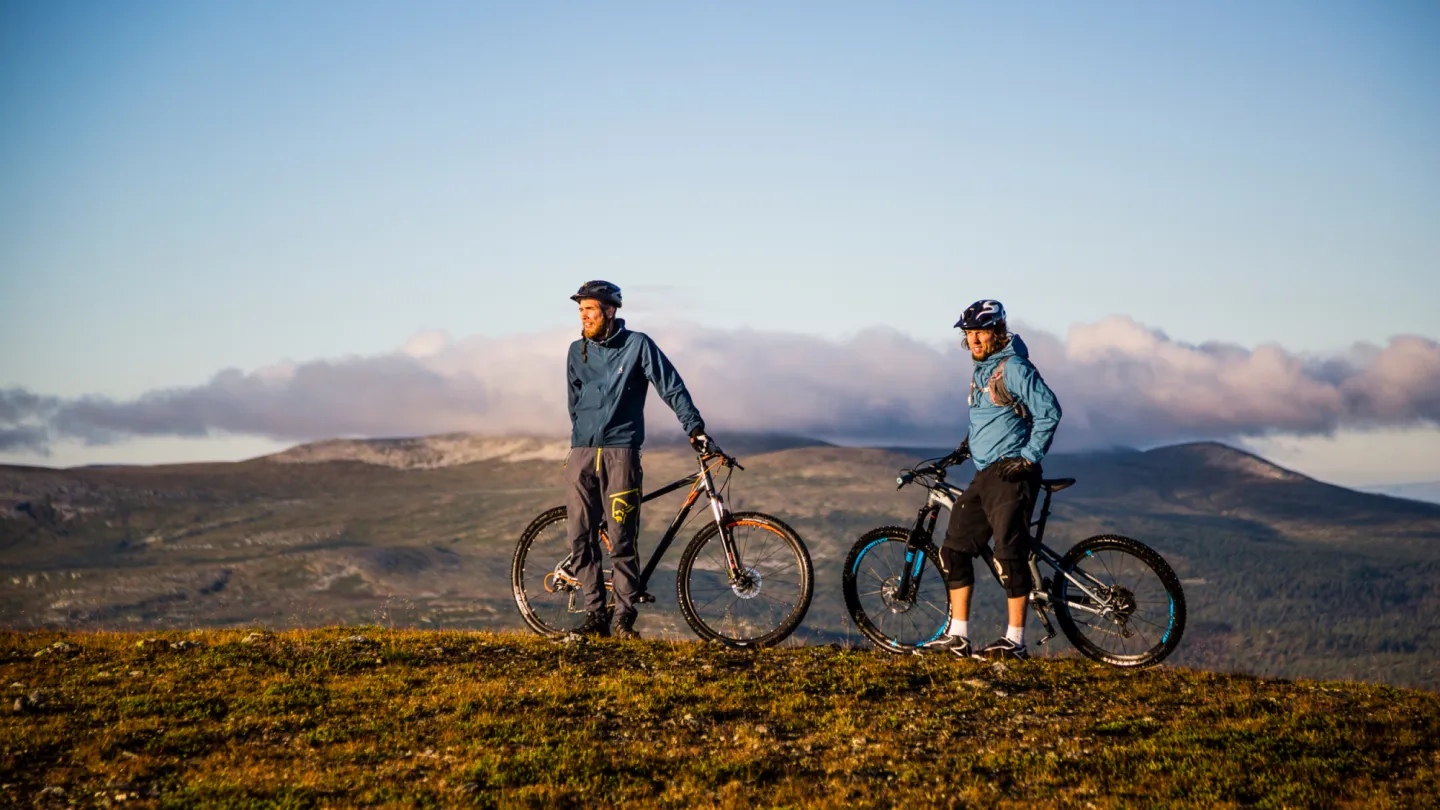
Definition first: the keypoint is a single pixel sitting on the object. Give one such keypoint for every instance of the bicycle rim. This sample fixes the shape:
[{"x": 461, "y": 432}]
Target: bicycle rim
[
  {"x": 762, "y": 608},
  {"x": 871, "y": 580},
  {"x": 1134, "y": 613}
]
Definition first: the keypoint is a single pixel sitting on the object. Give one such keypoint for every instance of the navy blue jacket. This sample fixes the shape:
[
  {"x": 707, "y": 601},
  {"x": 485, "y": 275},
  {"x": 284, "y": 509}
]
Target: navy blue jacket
[
  {"x": 996, "y": 431},
  {"x": 608, "y": 380}
]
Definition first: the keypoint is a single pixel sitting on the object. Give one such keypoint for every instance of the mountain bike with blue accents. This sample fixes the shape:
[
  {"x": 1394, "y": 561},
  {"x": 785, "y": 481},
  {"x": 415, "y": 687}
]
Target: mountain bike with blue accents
[{"x": 1114, "y": 598}]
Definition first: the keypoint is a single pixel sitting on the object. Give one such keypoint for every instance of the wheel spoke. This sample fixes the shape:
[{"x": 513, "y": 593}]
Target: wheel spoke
[
  {"x": 1143, "y": 603},
  {"x": 737, "y": 614},
  {"x": 891, "y": 623},
  {"x": 547, "y": 548}
]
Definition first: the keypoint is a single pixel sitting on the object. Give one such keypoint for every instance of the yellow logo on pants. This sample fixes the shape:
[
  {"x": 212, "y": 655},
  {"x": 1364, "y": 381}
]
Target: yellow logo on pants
[{"x": 621, "y": 508}]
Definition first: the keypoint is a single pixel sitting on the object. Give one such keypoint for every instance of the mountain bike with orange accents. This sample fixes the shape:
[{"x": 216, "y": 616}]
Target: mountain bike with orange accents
[{"x": 745, "y": 579}]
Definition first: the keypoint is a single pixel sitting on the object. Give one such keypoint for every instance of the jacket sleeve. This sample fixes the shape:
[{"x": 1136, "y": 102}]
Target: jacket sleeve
[
  {"x": 1026, "y": 385},
  {"x": 572, "y": 384},
  {"x": 667, "y": 382}
]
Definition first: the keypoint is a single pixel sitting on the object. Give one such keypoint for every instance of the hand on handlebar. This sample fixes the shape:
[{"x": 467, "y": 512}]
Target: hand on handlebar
[
  {"x": 708, "y": 448},
  {"x": 960, "y": 455}
]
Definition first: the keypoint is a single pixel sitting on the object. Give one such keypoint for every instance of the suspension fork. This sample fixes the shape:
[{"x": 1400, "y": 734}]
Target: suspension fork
[
  {"x": 721, "y": 513},
  {"x": 921, "y": 535}
]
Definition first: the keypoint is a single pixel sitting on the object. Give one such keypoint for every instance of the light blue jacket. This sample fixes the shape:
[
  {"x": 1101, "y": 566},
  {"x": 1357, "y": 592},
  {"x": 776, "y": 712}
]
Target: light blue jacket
[{"x": 996, "y": 431}]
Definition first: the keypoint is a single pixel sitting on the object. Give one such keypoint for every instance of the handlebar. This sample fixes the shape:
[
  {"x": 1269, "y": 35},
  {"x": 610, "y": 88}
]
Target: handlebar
[
  {"x": 936, "y": 468},
  {"x": 712, "y": 449},
  {"x": 906, "y": 476}
]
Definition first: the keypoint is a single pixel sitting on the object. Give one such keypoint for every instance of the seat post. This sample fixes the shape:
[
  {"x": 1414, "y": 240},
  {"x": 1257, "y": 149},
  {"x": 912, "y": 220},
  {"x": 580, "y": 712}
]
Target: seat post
[{"x": 1044, "y": 516}]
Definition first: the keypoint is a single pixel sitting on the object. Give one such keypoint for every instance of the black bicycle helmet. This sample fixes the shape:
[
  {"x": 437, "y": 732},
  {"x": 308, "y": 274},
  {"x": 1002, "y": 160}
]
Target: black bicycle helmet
[
  {"x": 984, "y": 314},
  {"x": 602, "y": 291}
]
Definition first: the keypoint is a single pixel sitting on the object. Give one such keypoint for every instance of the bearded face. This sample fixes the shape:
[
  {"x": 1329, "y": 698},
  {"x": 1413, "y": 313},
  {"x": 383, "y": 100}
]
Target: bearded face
[{"x": 595, "y": 318}]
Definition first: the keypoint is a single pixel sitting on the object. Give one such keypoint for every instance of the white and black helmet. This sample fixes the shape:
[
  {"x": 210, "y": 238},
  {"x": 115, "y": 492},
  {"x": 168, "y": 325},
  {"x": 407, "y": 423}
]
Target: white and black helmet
[{"x": 984, "y": 314}]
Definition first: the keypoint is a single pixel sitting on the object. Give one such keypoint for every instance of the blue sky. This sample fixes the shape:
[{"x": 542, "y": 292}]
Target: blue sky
[{"x": 186, "y": 188}]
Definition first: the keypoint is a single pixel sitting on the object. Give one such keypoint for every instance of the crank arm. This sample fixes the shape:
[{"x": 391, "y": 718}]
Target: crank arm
[{"x": 1045, "y": 621}]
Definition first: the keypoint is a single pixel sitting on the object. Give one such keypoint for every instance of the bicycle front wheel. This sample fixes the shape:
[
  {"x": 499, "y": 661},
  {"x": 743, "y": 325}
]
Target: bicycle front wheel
[
  {"x": 768, "y": 599},
  {"x": 547, "y": 593},
  {"x": 895, "y": 622},
  {"x": 1119, "y": 602}
]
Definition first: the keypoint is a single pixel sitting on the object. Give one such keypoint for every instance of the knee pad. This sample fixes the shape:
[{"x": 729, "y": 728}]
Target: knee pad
[
  {"x": 959, "y": 567},
  {"x": 1015, "y": 577}
]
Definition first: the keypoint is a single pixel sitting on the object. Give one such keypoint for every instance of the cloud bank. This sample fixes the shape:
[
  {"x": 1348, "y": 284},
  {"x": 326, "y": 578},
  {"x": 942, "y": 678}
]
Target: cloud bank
[{"x": 1120, "y": 383}]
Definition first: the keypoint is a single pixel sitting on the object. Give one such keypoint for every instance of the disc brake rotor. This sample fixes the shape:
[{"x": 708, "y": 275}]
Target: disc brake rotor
[
  {"x": 747, "y": 585},
  {"x": 890, "y": 595}
]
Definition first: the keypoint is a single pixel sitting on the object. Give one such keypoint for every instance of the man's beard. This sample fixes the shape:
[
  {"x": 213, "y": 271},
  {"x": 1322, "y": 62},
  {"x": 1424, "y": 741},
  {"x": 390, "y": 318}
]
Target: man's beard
[{"x": 601, "y": 327}]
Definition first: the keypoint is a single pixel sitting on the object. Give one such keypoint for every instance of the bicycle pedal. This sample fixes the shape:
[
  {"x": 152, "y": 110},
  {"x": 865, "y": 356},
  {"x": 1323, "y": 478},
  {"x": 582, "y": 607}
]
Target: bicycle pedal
[{"x": 644, "y": 599}]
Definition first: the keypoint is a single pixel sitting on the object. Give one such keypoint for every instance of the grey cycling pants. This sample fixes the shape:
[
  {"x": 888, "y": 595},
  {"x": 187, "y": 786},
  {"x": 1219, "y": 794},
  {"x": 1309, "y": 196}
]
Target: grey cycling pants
[{"x": 603, "y": 490}]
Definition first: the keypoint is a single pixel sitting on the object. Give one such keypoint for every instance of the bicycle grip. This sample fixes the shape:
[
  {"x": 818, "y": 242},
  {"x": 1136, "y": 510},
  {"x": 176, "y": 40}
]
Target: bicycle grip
[{"x": 905, "y": 478}]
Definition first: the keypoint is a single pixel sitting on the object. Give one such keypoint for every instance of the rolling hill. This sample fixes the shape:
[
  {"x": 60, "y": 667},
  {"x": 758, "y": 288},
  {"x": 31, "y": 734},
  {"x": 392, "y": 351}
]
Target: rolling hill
[{"x": 1285, "y": 576}]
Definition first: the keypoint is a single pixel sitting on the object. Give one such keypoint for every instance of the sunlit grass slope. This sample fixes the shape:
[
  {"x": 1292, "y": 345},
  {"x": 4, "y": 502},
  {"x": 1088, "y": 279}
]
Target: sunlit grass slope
[{"x": 353, "y": 716}]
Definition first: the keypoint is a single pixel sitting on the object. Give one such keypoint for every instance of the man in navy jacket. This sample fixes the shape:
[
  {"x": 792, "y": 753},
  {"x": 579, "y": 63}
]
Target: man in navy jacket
[{"x": 609, "y": 371}]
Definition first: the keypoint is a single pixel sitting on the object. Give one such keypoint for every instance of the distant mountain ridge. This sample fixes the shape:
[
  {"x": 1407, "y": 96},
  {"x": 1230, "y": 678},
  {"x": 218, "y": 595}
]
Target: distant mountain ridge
[
  {"x": 1428, "y": 491},
  {"x": 1285, "y": 575},
  {"x": 455, "y": 449}
]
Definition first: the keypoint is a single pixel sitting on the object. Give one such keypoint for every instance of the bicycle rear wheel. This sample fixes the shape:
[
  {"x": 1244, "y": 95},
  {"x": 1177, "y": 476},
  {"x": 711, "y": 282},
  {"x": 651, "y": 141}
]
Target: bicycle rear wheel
[
  {"x": 772, "y": 595},
  {"x": 548, "y": 595},
  {"x": 895, "y": 622},
  {"x": 1124, "y": 605}
]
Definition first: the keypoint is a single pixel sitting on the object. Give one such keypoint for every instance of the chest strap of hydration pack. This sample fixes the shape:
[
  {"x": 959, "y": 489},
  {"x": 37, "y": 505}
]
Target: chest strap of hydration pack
[{"x": 998, "y": 393}]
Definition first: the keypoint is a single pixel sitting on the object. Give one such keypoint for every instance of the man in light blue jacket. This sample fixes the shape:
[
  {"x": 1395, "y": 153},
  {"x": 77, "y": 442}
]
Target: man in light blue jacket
[{"x": 1013, "y": 416}]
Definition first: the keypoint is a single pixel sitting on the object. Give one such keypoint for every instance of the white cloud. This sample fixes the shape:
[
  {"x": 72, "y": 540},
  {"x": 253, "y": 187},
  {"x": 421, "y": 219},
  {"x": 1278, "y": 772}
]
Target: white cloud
[
  {"x": 425, "y": 344},
  {"x": 1120, "y": 384}
]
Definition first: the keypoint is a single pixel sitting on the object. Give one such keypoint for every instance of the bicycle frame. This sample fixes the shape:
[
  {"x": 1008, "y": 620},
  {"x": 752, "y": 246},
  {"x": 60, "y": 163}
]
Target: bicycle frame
[
  {"x": 922, "y": 534},
  {"x": 701, "y": 481}
]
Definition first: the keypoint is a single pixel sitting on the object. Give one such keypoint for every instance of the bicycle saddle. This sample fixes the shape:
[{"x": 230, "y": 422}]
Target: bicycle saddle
[{"x": 1056, "y": 484}]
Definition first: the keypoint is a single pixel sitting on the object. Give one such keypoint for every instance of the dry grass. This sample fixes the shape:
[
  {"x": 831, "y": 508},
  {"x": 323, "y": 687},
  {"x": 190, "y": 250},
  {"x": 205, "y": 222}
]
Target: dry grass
[{"x": 410, "y": 718}]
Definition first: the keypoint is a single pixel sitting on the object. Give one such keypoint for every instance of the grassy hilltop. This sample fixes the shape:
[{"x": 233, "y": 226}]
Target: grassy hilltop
[{"x": 227, "y": 718}]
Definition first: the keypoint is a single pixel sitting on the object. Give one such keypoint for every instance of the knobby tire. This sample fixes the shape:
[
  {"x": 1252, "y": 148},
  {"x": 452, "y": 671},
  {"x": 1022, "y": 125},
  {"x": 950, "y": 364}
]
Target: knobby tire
[
  {"x": 759, "y": 617},
  {"x": 1156, "y": 635},
  {"x": 898, "y": 629}
]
